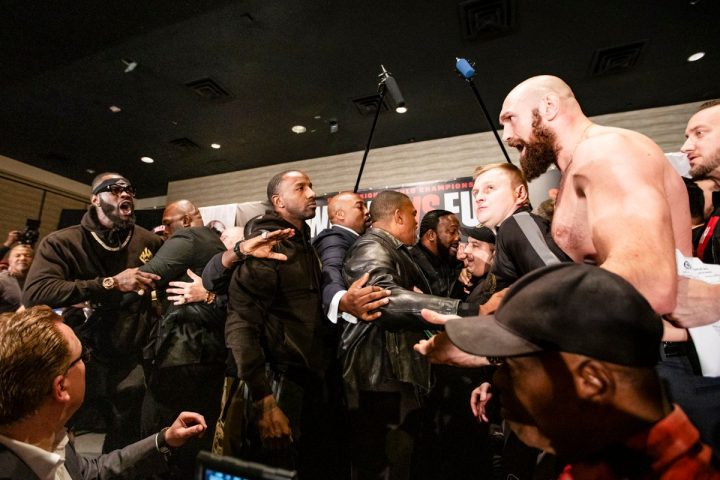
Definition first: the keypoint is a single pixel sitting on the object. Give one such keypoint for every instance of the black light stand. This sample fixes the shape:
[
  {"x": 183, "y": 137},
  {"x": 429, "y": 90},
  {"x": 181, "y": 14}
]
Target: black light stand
[
  {"x": 387, "y": 83},
  {"x": 468, "y": 72}
]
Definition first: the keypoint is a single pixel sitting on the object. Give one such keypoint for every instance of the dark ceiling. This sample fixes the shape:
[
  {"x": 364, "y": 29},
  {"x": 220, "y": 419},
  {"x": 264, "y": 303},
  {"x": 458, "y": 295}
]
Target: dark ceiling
[{"x": 275, "y": 64}]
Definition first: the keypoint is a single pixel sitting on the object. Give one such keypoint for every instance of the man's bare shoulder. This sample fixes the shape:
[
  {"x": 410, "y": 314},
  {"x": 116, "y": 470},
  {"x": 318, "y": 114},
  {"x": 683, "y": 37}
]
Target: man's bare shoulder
[{"x": 617, "y": 149}]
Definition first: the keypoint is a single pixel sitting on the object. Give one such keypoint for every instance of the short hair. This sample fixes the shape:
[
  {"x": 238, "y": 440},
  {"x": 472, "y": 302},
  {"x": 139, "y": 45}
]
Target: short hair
[
  {"x": 384, "y": 205},
  {"x": 23, "y": 245},
  {"x": 273, "y": 186},
  {"x": 431, "y": 220},
  {"x": 514, "y": 172},
  {"x": 33, "y": 351},
  {"x": 708, "y": 104}
]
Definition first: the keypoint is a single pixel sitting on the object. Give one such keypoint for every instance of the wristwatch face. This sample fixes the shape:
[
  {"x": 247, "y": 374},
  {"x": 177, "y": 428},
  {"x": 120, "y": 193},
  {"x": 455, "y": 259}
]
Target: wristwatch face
[{"x": 108, "y": 283}]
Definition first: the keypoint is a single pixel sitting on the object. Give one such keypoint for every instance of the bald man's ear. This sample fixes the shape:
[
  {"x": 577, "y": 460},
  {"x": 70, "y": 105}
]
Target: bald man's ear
[
  {"x": 95, "y": 201},
  {"x": 550, "y": 106},
  {"x": 594, "y": 382},
  {"x": 397, "y": 216},
  {"x": 340, "y": 213}
]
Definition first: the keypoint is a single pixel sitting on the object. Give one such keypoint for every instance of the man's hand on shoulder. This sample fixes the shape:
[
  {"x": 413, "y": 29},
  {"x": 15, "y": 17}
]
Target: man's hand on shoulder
[
  {"x": 361, "y": 300},
  {"x": 186, "y": 426}
]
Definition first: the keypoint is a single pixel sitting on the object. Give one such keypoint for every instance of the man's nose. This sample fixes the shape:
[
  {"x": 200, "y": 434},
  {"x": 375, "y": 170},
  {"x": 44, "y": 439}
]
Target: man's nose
[{"x": 687, "y": 146}]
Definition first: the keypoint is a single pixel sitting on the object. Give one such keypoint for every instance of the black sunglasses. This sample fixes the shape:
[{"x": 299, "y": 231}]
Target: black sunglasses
[
  {"x": 84, "y": 356},
  {"x": 117, "y": 189}
]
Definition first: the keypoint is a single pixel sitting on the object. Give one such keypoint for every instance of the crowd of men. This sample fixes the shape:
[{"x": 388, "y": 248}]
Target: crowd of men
[{"x": 377, "y": 351}]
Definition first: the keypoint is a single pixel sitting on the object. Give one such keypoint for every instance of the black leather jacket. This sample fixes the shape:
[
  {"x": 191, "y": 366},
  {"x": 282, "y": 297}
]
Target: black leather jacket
[
  {"x": 391, "y": 266},
  {"x": 381, "y": 352}
]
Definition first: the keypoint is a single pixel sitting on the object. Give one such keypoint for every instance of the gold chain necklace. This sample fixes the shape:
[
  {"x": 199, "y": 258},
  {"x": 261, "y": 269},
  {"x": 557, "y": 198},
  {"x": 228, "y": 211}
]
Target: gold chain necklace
[{"x": 108, "y": 247}]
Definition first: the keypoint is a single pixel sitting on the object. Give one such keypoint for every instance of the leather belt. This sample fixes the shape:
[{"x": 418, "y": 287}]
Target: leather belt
[{"x": 675, "y": 349}]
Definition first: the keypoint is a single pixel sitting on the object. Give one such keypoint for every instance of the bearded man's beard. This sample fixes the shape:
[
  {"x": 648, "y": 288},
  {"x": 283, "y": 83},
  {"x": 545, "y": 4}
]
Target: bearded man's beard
[
  {"x": 698, "y": 172},
  {"x": 540, "y": 151},
  {"x": 119, "y": 223}
]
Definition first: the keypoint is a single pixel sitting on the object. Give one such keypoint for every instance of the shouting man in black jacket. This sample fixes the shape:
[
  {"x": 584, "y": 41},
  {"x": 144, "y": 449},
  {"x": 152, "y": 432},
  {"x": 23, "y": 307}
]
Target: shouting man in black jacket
[{"x": 91, "y": 271}]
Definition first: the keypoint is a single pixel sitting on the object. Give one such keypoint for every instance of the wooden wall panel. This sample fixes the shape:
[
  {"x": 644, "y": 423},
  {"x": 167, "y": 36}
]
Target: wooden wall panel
[
  {"x": 54, "y": 204},
  {"x": 21, "y": 199},
  {"x": 18, "y": 202}
]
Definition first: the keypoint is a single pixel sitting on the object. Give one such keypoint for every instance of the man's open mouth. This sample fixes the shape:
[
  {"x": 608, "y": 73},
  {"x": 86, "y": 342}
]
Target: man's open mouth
[{"x": 126, "y": 208}]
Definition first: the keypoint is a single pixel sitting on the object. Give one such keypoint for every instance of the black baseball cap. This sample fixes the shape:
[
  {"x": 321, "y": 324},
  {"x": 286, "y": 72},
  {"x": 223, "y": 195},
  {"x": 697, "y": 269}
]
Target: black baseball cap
[
  {"x": 481, "y": 233},
  {"x": 566, "y": 307}
]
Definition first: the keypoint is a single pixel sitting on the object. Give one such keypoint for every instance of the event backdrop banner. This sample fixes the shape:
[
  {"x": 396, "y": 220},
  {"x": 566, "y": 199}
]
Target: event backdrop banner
[{"x": 452, "y": 195}]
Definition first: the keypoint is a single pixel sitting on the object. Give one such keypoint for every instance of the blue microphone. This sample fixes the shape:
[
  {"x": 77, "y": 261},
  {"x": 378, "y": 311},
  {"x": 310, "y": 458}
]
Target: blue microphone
[{"x": 464, "y": 67}]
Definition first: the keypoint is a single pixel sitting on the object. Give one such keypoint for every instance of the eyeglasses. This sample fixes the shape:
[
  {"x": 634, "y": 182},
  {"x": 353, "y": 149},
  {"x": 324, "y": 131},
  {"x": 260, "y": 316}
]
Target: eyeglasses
[
  {"x": 117, "y": 189},
  {"x": 84, "y": 356}
]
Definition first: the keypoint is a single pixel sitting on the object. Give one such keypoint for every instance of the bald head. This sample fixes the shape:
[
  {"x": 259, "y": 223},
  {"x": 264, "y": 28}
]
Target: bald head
[
  {"x": 349, "y": 210},
  {"x": 535, "y": 88},
  {"x": 179, "y": 215}
]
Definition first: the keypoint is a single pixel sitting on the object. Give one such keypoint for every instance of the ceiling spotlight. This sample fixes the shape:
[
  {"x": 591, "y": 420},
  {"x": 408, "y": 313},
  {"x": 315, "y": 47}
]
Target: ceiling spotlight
[
  {"x": 401, "y": 109},
  {"x": 115, "y": 109},
  {"x": 299, "y": 129},
  {"x": 147, "y": 160},
  {"x": 333, "y": 126},
  {"x": 215, "y": 145},
  {"x": 90, "y": 170},
  {"x": 696, "y": 56},
  {"x": 130, "y": 65}
]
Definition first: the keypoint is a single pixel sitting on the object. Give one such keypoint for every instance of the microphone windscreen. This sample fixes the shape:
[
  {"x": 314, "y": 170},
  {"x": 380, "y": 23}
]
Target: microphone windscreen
[
  {"x": 394, "y": 90},
  {"x": 464, "y": 67}
]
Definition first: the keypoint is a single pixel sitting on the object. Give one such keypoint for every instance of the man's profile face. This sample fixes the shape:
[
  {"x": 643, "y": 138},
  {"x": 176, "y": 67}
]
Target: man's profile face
[
  {"x": 173, "y": 220},
  {"x": 118, "y": 208},
  {"x": 408, "y": 232},
  {"x": 357, "y": 215},
  {"x": 296, "y": 196},
  {"x": 478, "y": 256},
  {"x": 74, "y": 380},
  {"x": 448, "y": 236},
  {"x": 539, "y": 402},
  {"x": 495, "y": 197},
  {"x": 19, "y": 260},
  {"x": 702, "y": 146}
]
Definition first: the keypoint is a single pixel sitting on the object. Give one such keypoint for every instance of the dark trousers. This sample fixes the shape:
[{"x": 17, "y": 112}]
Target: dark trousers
[
  {"x": 194, "y": 388},
  {"x": 113, "y": 398},
  {"x": 698, "y": 396},
  {"x": 318, "y": 424}
]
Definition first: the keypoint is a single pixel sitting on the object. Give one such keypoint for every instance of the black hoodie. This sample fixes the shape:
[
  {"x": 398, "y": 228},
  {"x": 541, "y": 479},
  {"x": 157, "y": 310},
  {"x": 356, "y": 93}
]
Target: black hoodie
[{"x": 275, "y": 316}]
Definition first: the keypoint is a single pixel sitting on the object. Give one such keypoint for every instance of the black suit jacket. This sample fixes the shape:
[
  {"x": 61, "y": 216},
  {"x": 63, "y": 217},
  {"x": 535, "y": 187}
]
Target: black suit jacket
[
  {"x": 331, "y": 246},
  {"x": 138, "y": 460}
]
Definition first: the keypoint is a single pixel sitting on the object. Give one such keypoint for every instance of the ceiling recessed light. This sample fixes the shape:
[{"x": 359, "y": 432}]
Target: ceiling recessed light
[
  {"x": 401, "y": 109},
  {"x": 696, "y": 56},
  {"x": 317, "y": 117},
  {"x": 299, "y": 129},
  {"x": 215, "y": 145},
  {"x": 115, "y": 109},
  {"x": 147, "y": 160},
  {"x": 90, "y": 171}
]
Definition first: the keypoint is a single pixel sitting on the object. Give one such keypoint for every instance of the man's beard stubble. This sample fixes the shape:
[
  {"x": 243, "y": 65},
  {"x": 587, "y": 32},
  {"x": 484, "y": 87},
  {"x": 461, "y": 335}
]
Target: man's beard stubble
[
  {"x": 539, "y": 152},
  {"x": 699, "y": 172}
]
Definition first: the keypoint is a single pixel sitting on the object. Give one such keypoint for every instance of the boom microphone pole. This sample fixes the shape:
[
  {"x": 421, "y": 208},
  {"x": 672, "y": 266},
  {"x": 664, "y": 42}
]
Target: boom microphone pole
[
  {"x": 389, "y": 85},
  {"x": 467, "y": 71}
]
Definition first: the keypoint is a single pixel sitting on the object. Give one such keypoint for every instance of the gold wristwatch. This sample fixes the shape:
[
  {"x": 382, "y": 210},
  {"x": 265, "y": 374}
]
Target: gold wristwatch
[{"x": 109, "y": 283}]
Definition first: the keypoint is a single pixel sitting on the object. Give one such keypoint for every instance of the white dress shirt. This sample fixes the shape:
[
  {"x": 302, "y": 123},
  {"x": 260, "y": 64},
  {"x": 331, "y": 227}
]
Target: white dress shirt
[{"x": 46, "y": 465}]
